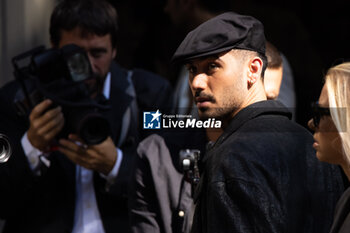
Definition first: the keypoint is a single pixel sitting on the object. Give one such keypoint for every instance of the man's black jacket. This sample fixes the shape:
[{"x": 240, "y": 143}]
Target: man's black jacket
[{"x": 262, "y": 175}]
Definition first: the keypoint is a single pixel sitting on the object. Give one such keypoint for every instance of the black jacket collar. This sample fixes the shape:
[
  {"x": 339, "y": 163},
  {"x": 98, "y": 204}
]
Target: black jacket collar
[{"x": 267, "y": 107}]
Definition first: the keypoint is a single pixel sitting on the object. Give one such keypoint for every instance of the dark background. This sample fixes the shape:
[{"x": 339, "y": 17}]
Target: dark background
[{"x": 311, "y": 34}]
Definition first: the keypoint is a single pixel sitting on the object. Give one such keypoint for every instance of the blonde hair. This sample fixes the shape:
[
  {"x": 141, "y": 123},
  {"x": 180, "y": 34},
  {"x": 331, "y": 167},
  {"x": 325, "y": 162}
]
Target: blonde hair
[{"x": 338, "y": 87}]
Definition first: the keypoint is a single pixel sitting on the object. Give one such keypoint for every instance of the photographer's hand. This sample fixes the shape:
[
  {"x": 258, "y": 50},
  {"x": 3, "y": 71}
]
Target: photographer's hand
[
  {"x": 44, "y": 125},
  {"x": 100, "y": 158}
]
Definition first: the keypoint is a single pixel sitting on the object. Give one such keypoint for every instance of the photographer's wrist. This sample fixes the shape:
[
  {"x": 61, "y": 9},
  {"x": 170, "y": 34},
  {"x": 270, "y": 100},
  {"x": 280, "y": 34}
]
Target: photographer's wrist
[
  {"x": 112, "y": 174},
  {"x": 37, "y": 144}
]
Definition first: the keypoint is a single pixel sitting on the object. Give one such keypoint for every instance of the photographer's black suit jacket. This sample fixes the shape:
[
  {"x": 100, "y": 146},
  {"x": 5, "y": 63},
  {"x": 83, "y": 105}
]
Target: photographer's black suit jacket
[{"x": 46, "y": 203}]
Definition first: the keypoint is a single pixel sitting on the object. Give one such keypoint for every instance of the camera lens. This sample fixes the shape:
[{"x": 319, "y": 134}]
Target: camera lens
[
  {"x": 94, "y": 129},
  {"x": 5, "y": 149}
]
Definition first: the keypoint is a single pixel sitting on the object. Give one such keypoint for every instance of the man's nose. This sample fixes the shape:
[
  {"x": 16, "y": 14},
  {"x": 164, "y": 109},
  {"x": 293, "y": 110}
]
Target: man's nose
[{"x": 199, "y": 82}]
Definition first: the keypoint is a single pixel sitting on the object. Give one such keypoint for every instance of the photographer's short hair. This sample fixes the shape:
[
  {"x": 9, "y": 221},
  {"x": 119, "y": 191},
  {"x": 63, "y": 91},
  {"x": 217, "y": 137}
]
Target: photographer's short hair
[{"x": 92, "y": 16}]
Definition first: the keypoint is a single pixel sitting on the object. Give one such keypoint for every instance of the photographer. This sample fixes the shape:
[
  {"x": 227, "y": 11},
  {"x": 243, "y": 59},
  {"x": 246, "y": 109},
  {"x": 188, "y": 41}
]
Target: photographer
[{"x": 53, "y": 184}]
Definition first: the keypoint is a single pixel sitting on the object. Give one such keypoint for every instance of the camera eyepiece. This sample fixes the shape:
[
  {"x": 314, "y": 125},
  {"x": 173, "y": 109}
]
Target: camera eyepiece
[{"x": 5, "y": 149}]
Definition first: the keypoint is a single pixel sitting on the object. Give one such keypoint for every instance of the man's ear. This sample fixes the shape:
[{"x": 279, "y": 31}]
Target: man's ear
[
  {"x": 114, "y": 52},
  {"x": 254, "y": 70}
]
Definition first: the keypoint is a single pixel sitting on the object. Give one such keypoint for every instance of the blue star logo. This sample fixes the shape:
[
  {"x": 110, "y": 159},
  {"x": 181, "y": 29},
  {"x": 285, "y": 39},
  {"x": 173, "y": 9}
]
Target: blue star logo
[{"x": 151, "y": 120}]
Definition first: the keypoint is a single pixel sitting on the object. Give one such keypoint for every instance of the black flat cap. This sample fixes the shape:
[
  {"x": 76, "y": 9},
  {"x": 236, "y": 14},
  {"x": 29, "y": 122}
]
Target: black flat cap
[{"x": 222, "y": 33}]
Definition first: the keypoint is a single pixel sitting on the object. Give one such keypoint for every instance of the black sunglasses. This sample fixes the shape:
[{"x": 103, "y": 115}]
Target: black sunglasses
[{"x": 318, "y": 112}]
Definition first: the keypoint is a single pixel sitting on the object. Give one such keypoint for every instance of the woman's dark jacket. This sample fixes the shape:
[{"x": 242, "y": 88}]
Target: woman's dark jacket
[{"x": 341, "y": 223}]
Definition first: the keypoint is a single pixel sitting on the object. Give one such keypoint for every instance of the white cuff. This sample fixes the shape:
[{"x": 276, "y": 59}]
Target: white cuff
[
  {"x": 114, "y": 172},
  {"x": 31, "y": 152}
]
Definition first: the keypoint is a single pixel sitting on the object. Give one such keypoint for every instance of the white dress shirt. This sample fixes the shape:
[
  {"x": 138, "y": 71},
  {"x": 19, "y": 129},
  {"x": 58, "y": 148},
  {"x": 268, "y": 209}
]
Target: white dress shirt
[{"x": 87, "y": 217}]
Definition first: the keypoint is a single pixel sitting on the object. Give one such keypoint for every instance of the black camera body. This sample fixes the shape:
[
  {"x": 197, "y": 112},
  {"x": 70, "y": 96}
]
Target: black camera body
[{"x": 60, "y": 75}]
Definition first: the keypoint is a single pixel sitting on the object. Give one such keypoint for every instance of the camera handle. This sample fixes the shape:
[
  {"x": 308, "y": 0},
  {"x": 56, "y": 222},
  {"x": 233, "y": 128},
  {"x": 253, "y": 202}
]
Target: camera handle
[{"x": 19, "y": 72}]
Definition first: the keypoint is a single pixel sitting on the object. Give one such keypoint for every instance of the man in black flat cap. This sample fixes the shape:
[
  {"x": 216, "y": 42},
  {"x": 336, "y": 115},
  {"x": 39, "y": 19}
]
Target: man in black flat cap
[{"x": 261, "y": 175}]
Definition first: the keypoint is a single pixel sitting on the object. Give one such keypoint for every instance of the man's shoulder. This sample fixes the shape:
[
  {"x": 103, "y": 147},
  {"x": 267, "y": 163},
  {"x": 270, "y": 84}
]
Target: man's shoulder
[
  {"x": 152, "y": 90},
  {"x": 140, "y": 77},
  {"x": 270, "y": 123},
  {"x": 268, "y": 137},
  {"x": 273, "y": 134},
  {"x": 147, "y": 80}
]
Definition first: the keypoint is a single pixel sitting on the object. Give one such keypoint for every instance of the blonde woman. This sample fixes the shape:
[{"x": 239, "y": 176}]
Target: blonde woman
[{"x": 331, "y": 123}]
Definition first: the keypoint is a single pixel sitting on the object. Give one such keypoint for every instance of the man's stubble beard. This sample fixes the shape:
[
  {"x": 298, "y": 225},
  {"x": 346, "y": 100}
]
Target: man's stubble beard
[{"x": 227, "y": 109}]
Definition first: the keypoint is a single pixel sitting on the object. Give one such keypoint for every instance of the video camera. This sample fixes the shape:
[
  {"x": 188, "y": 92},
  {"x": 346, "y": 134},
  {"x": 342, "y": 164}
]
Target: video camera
[{"x": 60, "y": 75}]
